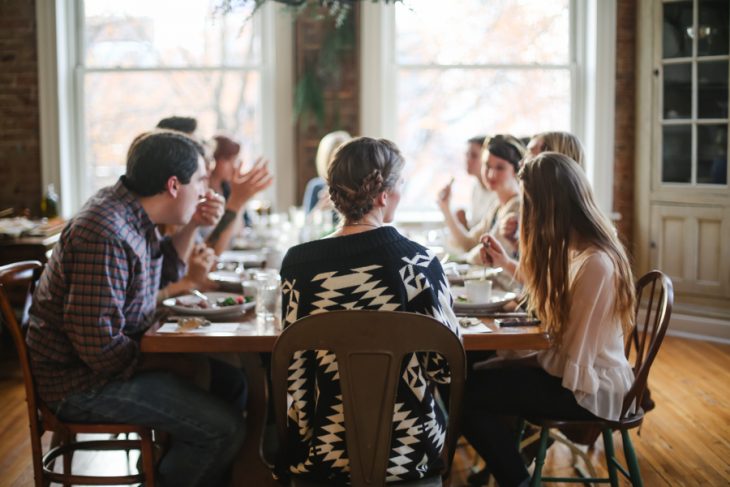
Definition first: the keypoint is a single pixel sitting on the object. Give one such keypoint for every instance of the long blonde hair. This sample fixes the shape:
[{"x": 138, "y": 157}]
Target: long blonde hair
[
  {"x": 565, "y": 143},
  {"x": 558, "y": 204},
  {"x": 326, "y": 150}
]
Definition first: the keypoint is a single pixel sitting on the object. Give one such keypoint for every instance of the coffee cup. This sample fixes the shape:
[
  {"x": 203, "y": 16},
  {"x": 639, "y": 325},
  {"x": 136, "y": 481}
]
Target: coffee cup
[{"x": 478, "y": 291}]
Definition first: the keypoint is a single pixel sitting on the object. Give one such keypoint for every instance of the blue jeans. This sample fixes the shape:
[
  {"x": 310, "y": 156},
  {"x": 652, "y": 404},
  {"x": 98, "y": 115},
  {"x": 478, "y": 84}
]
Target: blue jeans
[{"x": 205, "y": 432}]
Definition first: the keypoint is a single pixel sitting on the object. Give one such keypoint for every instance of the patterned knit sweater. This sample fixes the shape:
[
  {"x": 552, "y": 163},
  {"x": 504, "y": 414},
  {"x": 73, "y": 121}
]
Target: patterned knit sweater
[{"x": 374, "y": 270}]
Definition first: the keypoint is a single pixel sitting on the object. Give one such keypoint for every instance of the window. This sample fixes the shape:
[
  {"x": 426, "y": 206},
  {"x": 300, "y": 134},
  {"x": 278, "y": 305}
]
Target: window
[
  {"x": 109, "y": 70},
  {"x": 515, "y": 62},
  {"x": 694, "y": 115},
  {"x": 138, "y": 64},
  {"x": 447, "y": 73}
]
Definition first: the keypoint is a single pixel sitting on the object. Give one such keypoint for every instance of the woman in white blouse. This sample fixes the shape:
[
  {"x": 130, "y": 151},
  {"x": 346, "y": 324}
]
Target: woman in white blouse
[{"x": 580, "y": 285}]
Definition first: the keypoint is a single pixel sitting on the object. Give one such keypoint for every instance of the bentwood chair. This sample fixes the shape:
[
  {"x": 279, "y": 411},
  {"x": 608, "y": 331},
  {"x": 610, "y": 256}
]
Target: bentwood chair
[
  {"x": 654, "y": 299},
  {"x": 370, "y": 347},
  {"x": 20, "y": 278}
]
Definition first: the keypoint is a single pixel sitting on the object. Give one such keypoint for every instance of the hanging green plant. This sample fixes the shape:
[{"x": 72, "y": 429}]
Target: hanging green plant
[
  {"x": 337, "y": 9},
  {"x": 325, "y": 67}
]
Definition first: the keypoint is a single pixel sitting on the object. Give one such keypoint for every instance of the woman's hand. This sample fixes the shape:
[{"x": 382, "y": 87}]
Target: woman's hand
[
  {"x": 508, "y": 227},
  {"x": 493, "y": 253},
  {"x": 209, "y": 210},
  {"x": 245, "y": 185}
]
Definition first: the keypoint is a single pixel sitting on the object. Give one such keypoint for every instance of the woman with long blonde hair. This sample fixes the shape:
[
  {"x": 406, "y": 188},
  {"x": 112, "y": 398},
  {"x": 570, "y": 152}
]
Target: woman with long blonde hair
[
  {"x": 579, "y": 282},
  {"x": 562, "y": 142}
]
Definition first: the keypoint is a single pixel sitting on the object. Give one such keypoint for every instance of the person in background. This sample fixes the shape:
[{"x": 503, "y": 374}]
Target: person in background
[
  {"x": 493, "y": 253},
  {"x": 562, "y": 142},
  {"x": 315, "y": 193},
  {"x": 579, "y": 282},
  {"x": 186, "y": 125},
  {"x": 501, "y": 159},
  {"x": 237, "y": 188},
  {"x": 482, "y": 198},
  {"x": 365, "y": 182},
  {"x": 96, "y": 298}
]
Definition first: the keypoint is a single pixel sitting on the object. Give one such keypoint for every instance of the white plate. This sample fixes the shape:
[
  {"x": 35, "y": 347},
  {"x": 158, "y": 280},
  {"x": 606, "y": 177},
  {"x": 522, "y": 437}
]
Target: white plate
[
  {"x": 214, "y": 312},
  {"x": 498, "y": 299}
]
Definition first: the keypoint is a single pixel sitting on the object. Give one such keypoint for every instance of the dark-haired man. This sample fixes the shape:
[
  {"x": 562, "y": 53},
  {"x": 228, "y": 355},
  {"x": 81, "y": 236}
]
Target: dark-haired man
[
  {"x": 98, "y": 293},
  {"x": 186, "y": 125}
]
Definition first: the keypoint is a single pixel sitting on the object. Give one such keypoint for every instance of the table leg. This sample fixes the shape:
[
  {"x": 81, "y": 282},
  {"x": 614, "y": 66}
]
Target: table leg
[{"x": 249, "y": 469}]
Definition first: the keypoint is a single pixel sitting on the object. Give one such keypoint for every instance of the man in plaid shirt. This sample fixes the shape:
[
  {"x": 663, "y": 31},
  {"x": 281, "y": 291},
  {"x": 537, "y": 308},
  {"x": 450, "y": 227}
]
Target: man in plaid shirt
[{"x": 97, "y": 296}]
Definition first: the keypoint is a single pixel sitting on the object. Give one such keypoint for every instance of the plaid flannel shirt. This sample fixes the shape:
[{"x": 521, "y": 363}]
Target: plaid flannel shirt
[{"x": 97, "y": 293}]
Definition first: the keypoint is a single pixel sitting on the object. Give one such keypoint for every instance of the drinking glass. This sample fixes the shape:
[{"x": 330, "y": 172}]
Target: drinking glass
[{"x": 268, "y": 293}]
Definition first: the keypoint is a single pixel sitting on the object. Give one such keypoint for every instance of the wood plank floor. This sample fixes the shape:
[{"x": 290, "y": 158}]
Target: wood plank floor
[{"x": 684, "y": 441}]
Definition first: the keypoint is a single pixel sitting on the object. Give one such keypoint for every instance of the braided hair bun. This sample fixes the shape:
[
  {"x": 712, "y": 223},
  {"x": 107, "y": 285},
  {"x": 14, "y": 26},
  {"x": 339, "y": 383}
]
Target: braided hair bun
[{"x": 360, "y": 170}]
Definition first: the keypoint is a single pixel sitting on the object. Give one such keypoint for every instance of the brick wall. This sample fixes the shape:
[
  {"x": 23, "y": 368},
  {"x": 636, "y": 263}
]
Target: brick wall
[
  {"x": 625, "y": 124},
  {"x": 20, "y": 166},
  {"x": 341, "y": 94}
]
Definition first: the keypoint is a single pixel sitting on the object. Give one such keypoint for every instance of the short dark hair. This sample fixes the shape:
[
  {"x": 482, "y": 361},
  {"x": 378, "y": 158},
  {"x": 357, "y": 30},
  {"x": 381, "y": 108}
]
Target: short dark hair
[
  {"x": 186, "y": 125},
  {"x": 477, "y": 139},
  {"x": 359, "y": 171},
  {"x": 156, "y": 156}
]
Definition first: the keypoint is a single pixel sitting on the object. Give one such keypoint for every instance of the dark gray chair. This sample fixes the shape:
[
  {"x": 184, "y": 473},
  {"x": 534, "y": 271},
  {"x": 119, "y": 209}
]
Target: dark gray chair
[{"x": 370, "y": 347}]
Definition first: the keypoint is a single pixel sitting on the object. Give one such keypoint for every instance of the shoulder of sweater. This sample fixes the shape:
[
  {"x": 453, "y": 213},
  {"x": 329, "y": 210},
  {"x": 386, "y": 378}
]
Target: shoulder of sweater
[{"x": 328, "y": 249}]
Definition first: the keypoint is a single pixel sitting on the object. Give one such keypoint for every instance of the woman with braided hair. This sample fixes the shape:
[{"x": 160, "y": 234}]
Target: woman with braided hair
[{"x": 363, "y": 265}]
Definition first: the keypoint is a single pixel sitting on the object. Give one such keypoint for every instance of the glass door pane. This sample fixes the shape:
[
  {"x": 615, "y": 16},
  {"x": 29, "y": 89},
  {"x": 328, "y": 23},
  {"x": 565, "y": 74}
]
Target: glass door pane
[
  {"x": 678, "y": 91},
  {"x": 676, "y": 39},
  {"x": 712, "y": 89},
  {"x": 712, "y": 33},
  {"x": 712, "y": 154},
  {"x": 677, "y": 154}
]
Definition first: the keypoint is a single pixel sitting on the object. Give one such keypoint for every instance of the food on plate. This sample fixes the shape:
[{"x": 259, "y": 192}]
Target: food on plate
[
  {"x": 191, "y": 322},
  {"x": 187, "y": 302}
]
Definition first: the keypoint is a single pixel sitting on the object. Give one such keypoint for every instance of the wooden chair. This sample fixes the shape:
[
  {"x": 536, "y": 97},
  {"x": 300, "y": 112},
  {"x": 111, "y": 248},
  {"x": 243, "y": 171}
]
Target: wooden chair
[
  {"x": 654, "y": 296},
  {"x": 23, "y": 276},
  {"x": 370, "y": 347}
]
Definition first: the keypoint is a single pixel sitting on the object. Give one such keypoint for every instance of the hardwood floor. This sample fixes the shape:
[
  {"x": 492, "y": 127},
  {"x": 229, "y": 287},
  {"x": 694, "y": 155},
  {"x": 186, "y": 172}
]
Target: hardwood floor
[{"x": 684, "y": 441}]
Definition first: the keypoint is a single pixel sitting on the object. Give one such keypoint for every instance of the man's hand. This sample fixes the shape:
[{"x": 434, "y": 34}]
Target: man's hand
[
  {"x": 245, "y": 185},
  {"x": 200, "y": 263},
  {"x": 209, "y": 210}
]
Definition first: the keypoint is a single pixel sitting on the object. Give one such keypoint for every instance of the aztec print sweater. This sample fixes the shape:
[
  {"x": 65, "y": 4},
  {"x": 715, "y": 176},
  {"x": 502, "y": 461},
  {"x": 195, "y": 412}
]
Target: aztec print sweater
[{"x": 374, "y": 270}]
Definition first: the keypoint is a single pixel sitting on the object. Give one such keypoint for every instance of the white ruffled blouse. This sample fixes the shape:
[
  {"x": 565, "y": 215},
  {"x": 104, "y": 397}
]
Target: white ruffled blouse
[{"x": 591, "y": 361}]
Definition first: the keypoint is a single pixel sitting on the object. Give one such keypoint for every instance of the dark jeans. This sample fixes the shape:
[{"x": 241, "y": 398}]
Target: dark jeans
[
  {"x": 511, "y": 391},
  {"x": 205, "y": 431}
]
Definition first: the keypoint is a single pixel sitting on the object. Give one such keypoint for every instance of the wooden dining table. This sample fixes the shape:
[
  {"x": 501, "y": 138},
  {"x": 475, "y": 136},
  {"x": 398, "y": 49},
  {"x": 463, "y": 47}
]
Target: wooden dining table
[{"x": 248, "y": 339}]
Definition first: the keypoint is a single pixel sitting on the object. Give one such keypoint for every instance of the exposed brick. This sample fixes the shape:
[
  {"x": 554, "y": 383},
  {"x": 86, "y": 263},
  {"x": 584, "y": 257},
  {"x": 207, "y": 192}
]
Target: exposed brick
[
  {"x": 342, "y": 103},
  {"x": 625, "y": 122},
  {"x": 20, "y": 186}
]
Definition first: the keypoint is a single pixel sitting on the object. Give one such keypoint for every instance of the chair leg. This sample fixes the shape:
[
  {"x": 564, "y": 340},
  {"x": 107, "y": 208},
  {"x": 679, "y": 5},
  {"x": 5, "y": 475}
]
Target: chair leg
[
  {"x": 631, "y": 460},
  {"x": 610, "y": 457},
  {"x": 540, "y": 460},
  {"x": 521, "y": 425},
  {"x": 148, "y": 458}
]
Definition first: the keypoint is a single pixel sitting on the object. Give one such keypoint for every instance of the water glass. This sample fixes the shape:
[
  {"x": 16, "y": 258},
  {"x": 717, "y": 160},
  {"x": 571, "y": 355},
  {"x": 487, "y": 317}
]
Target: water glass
[{"x": 268, "y": 294}]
